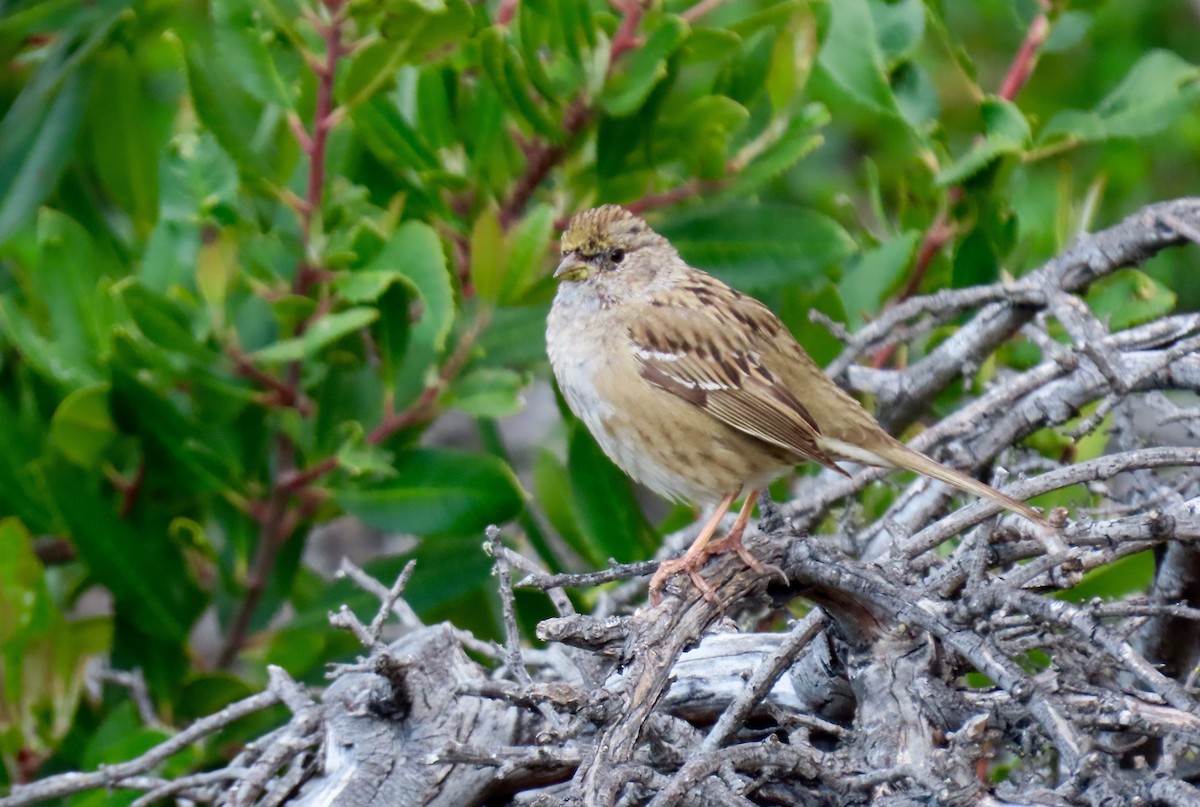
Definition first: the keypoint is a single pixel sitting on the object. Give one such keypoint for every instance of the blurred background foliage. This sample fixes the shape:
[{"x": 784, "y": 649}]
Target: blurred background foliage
[{"x": 268, "y": 263}]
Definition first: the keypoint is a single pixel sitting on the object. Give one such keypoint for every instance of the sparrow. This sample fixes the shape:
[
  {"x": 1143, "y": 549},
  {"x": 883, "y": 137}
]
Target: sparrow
[{"x": 697, "y": 390}]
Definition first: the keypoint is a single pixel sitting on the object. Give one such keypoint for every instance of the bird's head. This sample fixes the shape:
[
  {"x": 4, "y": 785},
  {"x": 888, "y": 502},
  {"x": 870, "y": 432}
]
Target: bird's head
[{"x": 607, "y": 241}]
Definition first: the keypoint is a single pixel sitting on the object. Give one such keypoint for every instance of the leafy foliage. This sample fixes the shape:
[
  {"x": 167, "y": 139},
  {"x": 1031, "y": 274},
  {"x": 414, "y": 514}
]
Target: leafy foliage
[{"x": 251, "y": 251}]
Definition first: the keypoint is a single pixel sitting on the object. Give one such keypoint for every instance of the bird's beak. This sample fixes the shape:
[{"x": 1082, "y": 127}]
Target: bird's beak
[{"x": 571, "y": 268}]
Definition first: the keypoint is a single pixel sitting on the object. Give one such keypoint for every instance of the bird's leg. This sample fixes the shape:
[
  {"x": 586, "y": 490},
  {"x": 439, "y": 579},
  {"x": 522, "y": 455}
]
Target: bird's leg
[
  {"x": 693, "y": 559},
  {"x": 732, "y": 542}
]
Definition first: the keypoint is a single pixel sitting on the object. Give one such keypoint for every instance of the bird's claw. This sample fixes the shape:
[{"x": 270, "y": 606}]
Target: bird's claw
[{"x": 693, "y": 563}]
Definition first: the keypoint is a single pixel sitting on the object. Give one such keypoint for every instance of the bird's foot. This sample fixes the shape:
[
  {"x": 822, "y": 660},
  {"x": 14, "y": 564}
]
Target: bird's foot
[
  {"x": 693, "y": 561},
  {"x": 689, "y": 562},
  {"x": 733, "y": 543}
]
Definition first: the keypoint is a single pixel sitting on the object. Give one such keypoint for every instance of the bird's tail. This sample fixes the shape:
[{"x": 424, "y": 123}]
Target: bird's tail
[{"x": 898, "y": 455}]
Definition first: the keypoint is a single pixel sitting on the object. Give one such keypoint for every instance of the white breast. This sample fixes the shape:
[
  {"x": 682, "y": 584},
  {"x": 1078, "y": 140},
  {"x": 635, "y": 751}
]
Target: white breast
[{"x": 576, "y": 330}]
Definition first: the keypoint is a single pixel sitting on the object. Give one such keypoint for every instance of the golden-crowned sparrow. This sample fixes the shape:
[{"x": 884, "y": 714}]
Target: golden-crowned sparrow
[{"x": 696, "y": 390}]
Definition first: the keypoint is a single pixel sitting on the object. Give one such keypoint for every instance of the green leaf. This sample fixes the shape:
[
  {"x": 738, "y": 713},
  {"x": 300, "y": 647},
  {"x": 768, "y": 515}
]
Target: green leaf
[
  {"x": 643, "y": 68},
  {"x": 367, "y": 286},
  {"x": 899, "y": 28},
  {"x": 161, "y": 320},
  {"x": 759, "y": 247},
  {"x": 528, "y": 243},
  {"x": 577, "y": 26},
  {"x": 976, "y": 261},
  {"x": 390, "y": 137},
  {"x": 531, "y": 49},
  {"x": 851, "y": 57},
  {"x": 1005, "y": 131},
  {"x": 170, "y": 255},
  {"x": 370, "y": 71},
  {"x": 126, "y": 157},
  {"x": 44, "y": 356},
  {"x": 35, "y": 149},
  {"x": 71, "y": 285},
  {"x": 433, "y": 107},
  {"x": 120, "y": 737},
  {"x": 795, "y": 308},
  {"x": 516, "y": 336},
  {"x": 1156, "y": 92},
  {"x": 138, "y": 563},
  {"x": 43, "y": 657},
  {"x": 26, "y": 610},
  {"x": 199, "y": 455},
  {"x": 241, "y": 44},
  {"x": 230, "y": 113},
  {"x": 436, "y": 492},
  {"x": 415, "y": 252},
  {"x": 552, "y": 484},
  {"x": 454, "y": 567},
  {"x": 323, "y": 332},
  {"x": 392, "y": 331},
  {"x": 869, "y": 280},
  {"x": 419, "y": 29},
  {"x": 796, "y": 142},
  {"x": 916, "y": 95},
  {"x": 791, "y": 61},
  {"x": 1129, "y": 575},
  {"x": 1129, "y": 297},
  {"x": 21, "y": 20},
  {"x": 358, "y": 457},
  {"x": 709, "y": 45},
  {"x": 504, "y": 67},
  {"x": 603, "y": 497},
  {"x": 1069, "y": 29},
  {"x": 199, "y": 179},
  {"x": 708, "y": 124},
  {"x": 489, "y": 392},
  {"x": 488, "y": 261},
  {"x": 208, "y": 692},
  {"x": 217, "y": 267},
  {"x": 773, "y": 16},
  {"x": 82, "y": 427}
]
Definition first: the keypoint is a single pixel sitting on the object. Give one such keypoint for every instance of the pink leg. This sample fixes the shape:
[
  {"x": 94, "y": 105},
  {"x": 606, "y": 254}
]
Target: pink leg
[
  {"x": 693, "y": 559},
  {"x": 733, "y": 541}
]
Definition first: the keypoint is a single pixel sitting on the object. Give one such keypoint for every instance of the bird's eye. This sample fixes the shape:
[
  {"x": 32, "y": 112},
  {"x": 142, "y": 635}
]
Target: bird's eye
[{"x": 617, "y": 255}]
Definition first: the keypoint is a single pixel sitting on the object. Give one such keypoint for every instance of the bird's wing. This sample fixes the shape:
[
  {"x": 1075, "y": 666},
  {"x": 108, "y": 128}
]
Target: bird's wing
[{"x": 717, "y": 357}]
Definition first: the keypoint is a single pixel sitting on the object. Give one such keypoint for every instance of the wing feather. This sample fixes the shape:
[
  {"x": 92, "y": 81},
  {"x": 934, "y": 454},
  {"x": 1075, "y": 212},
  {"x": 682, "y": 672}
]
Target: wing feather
[{"x": 717, "y": 357}]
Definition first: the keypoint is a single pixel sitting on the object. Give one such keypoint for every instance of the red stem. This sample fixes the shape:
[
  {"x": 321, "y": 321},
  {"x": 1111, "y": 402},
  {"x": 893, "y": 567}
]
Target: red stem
[
  {"x": 1026, "y": 59},
  {"x": 625, "y": 38},
  {"x": 271, "y": 538},
  {"x": 506, "y": 11},
  {"x": 540, "y": 160},
  {"x": 418, "y": 411},
  {"x": 323, "y": 120},
  {"x": 276, "y": 519}
]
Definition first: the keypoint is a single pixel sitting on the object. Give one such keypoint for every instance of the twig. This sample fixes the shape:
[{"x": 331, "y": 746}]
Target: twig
[
  {"x": 512, "y": 638},
  {"x": 407, "y": 616},
  {"x": 135, "y": 682},
  {"x": 764, "y": 677},
  {"x": 558, "y": 597},
  {"x": 387, "y": 605},
  {"x": 67, "y": 783},
  {"x": 184, "y": 784},
  {"x": 616, "y": 571}
]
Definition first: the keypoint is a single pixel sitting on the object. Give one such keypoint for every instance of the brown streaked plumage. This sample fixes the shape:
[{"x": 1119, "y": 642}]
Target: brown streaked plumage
[{"x": 697, "y": 390}]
